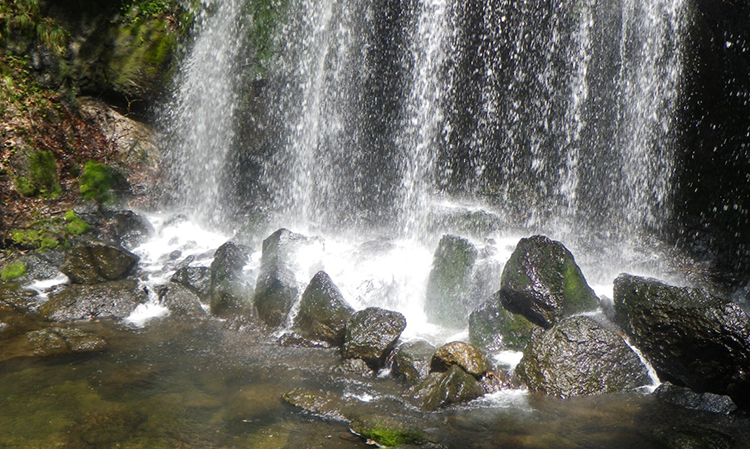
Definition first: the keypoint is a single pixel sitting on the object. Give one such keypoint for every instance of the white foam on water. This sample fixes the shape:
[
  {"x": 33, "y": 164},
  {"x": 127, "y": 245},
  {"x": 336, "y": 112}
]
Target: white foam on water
[
  {"x": 145, "y": 313},
  {"x": 44, "y": 287},
  {"x": 516, "y": 400},
  {"x": 508, "y": 359}
]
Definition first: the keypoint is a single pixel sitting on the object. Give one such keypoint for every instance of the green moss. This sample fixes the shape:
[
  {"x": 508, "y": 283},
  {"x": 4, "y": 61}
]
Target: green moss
[
  {"x": 387, "y": 432},
  {"x": 96, "y": 182},
  {"x": 35, "y": 238},
  {"x": 75, "y": 226},
  {"x": 13, "y": 271},
  {"x": 41, "y": 176}
]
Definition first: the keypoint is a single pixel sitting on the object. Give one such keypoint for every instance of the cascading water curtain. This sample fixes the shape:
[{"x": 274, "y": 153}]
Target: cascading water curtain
[{"x": 201, "y": 123}]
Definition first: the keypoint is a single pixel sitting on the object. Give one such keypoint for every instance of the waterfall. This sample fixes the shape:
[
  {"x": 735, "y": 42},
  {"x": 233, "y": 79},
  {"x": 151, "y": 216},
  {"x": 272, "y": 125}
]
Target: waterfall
[{"x": 201, "y": 120}]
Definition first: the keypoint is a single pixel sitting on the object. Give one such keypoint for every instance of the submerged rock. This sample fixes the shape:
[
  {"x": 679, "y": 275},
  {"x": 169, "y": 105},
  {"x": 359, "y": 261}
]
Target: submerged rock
[
  {"x": 492, "y": 327},
  {"x": 58, "y": 341},
  {"x": 690, "y": 337},
  {"x": 454, "y": 386},
  {"x": 92, "y": 262},
  {"x": 580, "y": 357},
  {"x": 542, "y": 282},
  {"x": 468, "y": 357},
  {"x": 449, "y": 281},
  {"x": 116, "y": 299},
  {"x": 230, "y": 293},
  {"x": 386, "y": 431},
  {"x": 323, "y": 311},
  {"x": 371, "y": 335},
  {"x": 197, "y": 279},
  {"x": 411, "y": 360},
  {"x": 321, "y": 403},
  {"x": 686, "y": 398}
]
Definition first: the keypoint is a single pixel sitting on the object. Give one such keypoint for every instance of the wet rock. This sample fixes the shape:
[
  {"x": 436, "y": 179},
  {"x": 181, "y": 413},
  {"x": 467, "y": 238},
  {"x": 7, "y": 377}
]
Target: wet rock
[
  {"x": 92, "y": 262},
  {"x": 57, "y": 341},
  {"x": 180, "y": 300},
  {"x": 578, "y": 357},
  {"x": 386, "y": 431},
  {"x": 371, "y": 335},
  {"x": 323, "y": 311},
  {"x": 468, "y": 357},
  {"x": 42, "y": 266},
  {"x": 295, "y": 340},
  {"x": 454, "y": 386},
  {"x": 128, "y": 228},
  {"x": 107, "y": 428},
  {"x": 230, "y": 293},
  {"x": 276, "y": 289},
  {"x": 115, "y": 299},
  {"x": 542, "y": 282},
  {"x": 492, "y": 327},
  {"x": 690, "y": 337},
  {"x": 686, "y": 398},
  {"x": 354, "y": 366},
  {"x": 411, "y": 360},
  {"x": 275, "y": 293},
  {"x": 449, "y": 281},
  {"x": 14, "y": 322},
  {"x": 197, "y": 279}
]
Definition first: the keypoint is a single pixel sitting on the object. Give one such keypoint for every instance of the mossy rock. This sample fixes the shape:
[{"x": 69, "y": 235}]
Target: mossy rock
[
  {"x": 494, "y": 328},
  {"x": 39, "y": 177},
  {"x": 102, "y": 183},
  {"x": 386, "y": 431},
  {"x": 542, "y": 282},
  {"x": 449, "y": 281},
  {"x": 13, "y": 271}
]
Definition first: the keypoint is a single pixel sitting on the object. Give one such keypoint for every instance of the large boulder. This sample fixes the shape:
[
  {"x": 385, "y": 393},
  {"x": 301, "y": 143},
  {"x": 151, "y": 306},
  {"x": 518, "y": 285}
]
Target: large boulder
[
  {"x": 323, "y": 311},
  {"x": 91, "y": 262},
  {"x": 371, "y": 334},
  {"x": 180, "y": 300},
  {"x": 578, "y": 357},
  {"x": 411, "y": 360},
  {"x": 467, "y": 357},
  {"x": 128, "y": 228},
  {"x": 276, "y": 289},
  {"x": 492, "y": 327},
  {"x": 230, "y": 293},
  {"x": 542, "y": 282},
  {"x": 686, "y": 398},
  {"x": 449, "y": 281},
  {"x": 690, "y": 337},
  {"x": 441, "y": 389},
  {"x": 116, "y": 299}
]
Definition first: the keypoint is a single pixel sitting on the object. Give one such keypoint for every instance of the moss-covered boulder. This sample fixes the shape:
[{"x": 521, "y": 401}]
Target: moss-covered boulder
[
  {"x": 690, "y": 337},
  {"x": 38, "y": 176},
  {"x": 13, "y": 271},
  {"x": 230, "y": 292},
  {"x": 493, "y": 327},
  {"x": 116, "y": 299},
  {"x": 542, "y": 282},
  {"x": 91, "y": 262},
  {"x": 411, "y": 360},
  {"x": 468, "y": 357},
  {"x": 323, "y": 311},
  {"x": 454, "y": 386},
  {"x": 579, "y": 357},
  {"x": 371, "y": 334},
  {"x": 449, "y": 282},
  {"x": 386, "y": 431}
]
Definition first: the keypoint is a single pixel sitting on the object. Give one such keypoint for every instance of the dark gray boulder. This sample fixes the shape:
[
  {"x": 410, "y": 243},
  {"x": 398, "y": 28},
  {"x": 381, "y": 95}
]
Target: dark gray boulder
[
  {"x": 371, "y": 334},
  {"x": 276, "y": 289},
  {"x": 450, "y": 280},
  {"x": 91, "y": 262},
  {"x": 454, "y": 386},
  {"x": 116, "y": 299},
  {"x": 578, "y": 357},
  {"x": 230, "y": 292},
  {"x": 542, "y": 282},
  {"x": 129, "y": 229},
  {"x": 690, "y": 337},
  {"x": 180, "y": 300},
  {"x": 411, "y": 360},
  {"x": 492, "y": 327},
  {"x": 323, "y": 311},
  {"x": 198, "y": 279},
  {"x": 686, "y": 398},
  {"x": 468, "y": 357}
]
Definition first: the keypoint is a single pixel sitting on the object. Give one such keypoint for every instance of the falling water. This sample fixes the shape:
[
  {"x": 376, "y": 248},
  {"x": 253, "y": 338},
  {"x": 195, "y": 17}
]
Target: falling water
[{"x": 201, "y": 120}]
